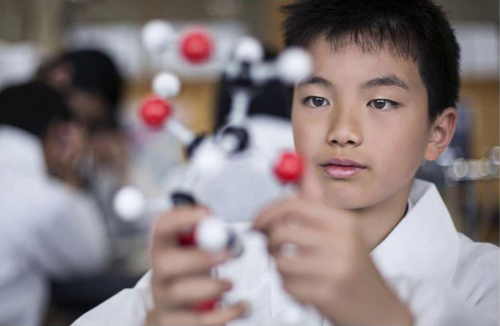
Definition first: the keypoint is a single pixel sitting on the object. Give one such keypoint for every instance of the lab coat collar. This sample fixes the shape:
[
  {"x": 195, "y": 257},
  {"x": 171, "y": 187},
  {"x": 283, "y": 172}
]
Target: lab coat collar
[
  {"x": 21, "y": 152},
  {"x": 425, "y": 243}
]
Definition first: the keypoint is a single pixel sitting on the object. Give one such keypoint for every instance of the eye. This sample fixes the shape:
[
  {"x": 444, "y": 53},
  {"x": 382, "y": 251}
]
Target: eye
[
  {"x": 382, "y": 104},
  {"x": 315, "y": 101}
]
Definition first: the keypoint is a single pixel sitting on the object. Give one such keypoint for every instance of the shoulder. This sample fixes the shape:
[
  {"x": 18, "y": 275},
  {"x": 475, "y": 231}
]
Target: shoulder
[
  {"x": 31, "y": 198},
  {"x": 477, "y": 271},
  {"x": 478, "y": 255}
]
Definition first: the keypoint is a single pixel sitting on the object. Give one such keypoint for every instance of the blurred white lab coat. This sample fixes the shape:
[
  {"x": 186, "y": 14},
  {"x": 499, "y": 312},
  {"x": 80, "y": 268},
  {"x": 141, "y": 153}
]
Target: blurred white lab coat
[
  {"x": 47, "y": 230},
  {"x": 446, "y": 279}
]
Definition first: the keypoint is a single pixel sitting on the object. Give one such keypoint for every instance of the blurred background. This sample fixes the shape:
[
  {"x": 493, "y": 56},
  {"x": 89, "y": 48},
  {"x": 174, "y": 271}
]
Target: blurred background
[{"x": 34, "y": 35}]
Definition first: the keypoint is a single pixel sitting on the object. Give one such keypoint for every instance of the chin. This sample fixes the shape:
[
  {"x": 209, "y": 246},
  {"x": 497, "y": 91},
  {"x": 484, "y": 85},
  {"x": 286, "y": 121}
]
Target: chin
[
  {"x": 345, "y": 197},
  {"x": 345, "y": 203}
]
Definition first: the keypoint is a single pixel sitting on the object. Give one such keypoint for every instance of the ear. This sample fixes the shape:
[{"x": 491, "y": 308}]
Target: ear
[{"x": 442, "y": 131}]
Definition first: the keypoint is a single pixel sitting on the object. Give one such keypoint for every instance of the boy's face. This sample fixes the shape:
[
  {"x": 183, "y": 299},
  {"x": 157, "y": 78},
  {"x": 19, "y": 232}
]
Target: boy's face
[{"x": 367, "y": 107}]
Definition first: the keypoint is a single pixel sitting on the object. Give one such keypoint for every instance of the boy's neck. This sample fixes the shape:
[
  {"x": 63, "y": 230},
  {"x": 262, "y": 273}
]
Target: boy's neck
[{"x": 378, "y": 221}]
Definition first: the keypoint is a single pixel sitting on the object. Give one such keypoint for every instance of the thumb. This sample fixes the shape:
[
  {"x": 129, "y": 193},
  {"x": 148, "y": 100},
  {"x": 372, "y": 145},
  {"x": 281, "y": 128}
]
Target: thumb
[{"x": 310, "y": 185}]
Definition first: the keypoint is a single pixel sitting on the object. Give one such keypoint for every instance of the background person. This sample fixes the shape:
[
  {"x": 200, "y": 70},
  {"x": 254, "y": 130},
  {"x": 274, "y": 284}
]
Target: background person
[{"x": 49, "y": 228}]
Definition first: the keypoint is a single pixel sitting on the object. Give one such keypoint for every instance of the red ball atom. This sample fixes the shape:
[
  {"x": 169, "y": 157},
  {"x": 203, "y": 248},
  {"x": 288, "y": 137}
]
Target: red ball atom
[
  {"x": 187, "y": 238},
  {"x": 154, "y": 111},
  {"x": 196, "y": 46},
  {"x": 208, "y": 305},
  {"x": 289, "y": 167}
]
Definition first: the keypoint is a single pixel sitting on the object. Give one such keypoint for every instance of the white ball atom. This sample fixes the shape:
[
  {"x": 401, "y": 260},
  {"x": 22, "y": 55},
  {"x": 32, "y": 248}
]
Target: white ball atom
[
  {"x": 229, "y": 143},
  {"x": 208, "y": 158},
  {"x": 293, "y": 65},
  {"x": 249, "y": 49},
  {"x": 157, "y": 35},
  {"x": 211, "y": 235},
  {"x": 129, "y": 203},
  {"x": 166, "y": 85}
]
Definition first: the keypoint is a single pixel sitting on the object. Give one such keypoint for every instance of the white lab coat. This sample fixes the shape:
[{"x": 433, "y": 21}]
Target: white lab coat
[
  {"x": 47, "y": 230},
  {"x": 445, "y": 278}
]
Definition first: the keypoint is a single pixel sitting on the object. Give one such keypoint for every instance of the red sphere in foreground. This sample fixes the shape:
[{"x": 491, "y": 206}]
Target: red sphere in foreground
[
  {"x": 208, "y": 305},
  {"x": 289, "y": 167},
  {"x": 196, "y": 46},
  {"x": 154, "y": 111},
  {"x": 187, "y": 238}
]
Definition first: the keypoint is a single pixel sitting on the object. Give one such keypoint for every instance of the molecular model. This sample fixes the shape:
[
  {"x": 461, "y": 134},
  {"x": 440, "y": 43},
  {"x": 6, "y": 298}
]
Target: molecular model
[
  {"x": 247, "y": 73},
  {"x": 194, "y": 44}
]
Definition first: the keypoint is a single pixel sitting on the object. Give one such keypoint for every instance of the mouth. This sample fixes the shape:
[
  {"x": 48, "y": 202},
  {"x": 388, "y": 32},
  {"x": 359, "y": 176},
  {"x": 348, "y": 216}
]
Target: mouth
[{"x": 342, "y": 168}]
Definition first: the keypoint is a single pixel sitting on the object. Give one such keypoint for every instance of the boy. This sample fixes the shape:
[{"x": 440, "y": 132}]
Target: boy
[{"x": 372, "y": 245}]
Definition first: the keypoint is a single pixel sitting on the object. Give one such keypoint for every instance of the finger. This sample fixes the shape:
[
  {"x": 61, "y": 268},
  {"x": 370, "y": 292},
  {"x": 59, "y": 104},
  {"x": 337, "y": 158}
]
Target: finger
[
  {"x": 188, "y": 317},
  {"x": 167, "y": 226},
  {"x": 187, "y": 291},
  {"x": 307, "y": 290},
  {"x": 310, "y": 185},
  {"x": 174, "y": 262},
  {"x": 301, "y": 235},
  {"x": 326, "y": 266},
  {"x": 305, "y": 266},
  {"x": 264, "y": 217},
  {"x": 298, "y": 209}
]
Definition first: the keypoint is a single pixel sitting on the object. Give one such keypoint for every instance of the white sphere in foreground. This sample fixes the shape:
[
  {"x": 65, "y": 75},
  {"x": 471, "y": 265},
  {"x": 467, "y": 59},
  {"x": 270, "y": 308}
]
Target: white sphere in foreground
[
  {"x": 208, "y": 158},
  {"x": 157, "y": 35},
  {"x": 294, "y": 65},
  {"x": 249, "y": 50},
  {"x": 166, "y": 85},
  {"x": 212, "y": 235},
  {"x": 129, "y": 203},
  {"x": 229, "y": 143}
]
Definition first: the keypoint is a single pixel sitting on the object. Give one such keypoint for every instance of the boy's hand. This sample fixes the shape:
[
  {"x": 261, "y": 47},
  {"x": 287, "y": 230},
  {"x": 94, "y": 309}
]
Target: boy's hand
[
  {"x": 329, "y": 266},
  {"x": 180, "y": 275}
]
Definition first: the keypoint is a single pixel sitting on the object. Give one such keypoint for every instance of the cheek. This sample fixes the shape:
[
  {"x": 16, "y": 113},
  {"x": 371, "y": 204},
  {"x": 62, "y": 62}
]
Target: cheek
[
  {"x": 299, "y": 134},
  {"x": 306, "y": 134},
  {"x": 402, "y": 148}
]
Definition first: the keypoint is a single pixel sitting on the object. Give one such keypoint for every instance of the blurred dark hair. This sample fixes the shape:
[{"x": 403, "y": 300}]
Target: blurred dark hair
[
  {"x": 415, "y": 29},
  {"x": 271, "y": 100},
  {"x": 32, "y": 107},
  {"x": 92, "y": 71}
]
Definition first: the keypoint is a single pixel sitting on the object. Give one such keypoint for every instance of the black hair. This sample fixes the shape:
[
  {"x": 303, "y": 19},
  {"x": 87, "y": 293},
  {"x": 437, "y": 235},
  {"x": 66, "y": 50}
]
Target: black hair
[
  {"x": 32, "y": 107},
  {"x": 93, "y": 71},
  {"x": 415, "y": 29}
]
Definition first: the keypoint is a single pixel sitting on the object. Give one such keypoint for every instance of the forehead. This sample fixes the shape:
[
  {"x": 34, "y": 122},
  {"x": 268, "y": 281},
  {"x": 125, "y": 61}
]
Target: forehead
[{"x": 351, "y": 63}]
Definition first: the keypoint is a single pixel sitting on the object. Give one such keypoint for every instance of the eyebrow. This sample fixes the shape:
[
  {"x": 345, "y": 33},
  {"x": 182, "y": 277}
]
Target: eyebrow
[
  {"x": 390, "y": 80},
  {"x": 316, "y": 80}
]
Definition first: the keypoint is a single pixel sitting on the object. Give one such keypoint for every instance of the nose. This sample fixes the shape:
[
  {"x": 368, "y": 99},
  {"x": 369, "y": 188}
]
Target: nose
[{"x": 345, "y": 129}]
